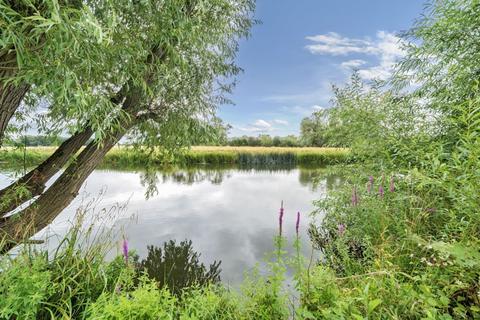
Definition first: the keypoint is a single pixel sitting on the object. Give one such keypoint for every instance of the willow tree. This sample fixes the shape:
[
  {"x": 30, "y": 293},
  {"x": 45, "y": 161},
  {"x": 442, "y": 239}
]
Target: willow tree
[
  {"x": 164, "y": 94},
  {"x": 44, "y": 50},
  {"x": 58, "y": 52}
]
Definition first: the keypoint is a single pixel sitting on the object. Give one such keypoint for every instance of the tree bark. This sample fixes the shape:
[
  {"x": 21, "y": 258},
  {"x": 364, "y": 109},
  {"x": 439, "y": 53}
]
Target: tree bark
[
  {"x": 24, "y": 224},
  {"x": 11, "y": 94},
  {"x": 33, "y": 183}
]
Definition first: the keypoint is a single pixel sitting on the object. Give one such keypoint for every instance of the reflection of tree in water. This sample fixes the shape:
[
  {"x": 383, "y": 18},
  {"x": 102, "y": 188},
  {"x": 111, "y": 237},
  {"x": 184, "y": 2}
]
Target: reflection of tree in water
[
  {"x": 195, "y": 176},
  {"x": 315, "y": 177},
  {"x": 177, "y": 267},
  {"x": 213, "y": 174},
  {"x": 308, "y": 177}
]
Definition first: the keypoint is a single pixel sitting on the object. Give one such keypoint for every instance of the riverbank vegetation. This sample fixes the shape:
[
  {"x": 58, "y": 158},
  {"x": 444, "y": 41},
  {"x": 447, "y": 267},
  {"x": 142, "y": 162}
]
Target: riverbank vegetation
[
  {"x": 399, "y": 240},
  {"x": 124, "y": 157}
]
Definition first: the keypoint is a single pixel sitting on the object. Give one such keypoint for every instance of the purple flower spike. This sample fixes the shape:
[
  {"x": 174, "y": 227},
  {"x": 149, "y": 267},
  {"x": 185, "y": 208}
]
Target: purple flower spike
[
  {"x": 370, "y": 184},
  {"x": 392, "y": 185},
  {"x": 354, "y": 197},
  {"x": 297, "y": 225},
  {"x": 381, "y": 192},
  {"x": 280, "y": 218},
  {"x": 125, "y": 250},
  {"x": 341, "y": 229}
]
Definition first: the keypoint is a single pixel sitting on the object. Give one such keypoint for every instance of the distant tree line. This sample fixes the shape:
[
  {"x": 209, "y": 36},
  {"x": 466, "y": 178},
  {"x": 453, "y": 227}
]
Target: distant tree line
[
  {"x": 36, "y": 141},
  {"x": 308, "y": 138},
  {"x": 265, "y": 140}
]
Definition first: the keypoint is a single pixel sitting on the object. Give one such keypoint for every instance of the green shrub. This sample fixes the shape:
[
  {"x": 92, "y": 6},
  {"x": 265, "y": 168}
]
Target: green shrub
[
  {"x": 144, "y": 302},
  {"x": 25, "y": 285}
]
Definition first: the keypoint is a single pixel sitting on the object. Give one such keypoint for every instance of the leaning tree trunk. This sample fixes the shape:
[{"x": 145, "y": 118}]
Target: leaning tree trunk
[
  {"x": 20, "y": 226},
  {"x": 24, "y": 224},
  {"x": 33, "y": 183},
  {"x": 11, "y": 94}
]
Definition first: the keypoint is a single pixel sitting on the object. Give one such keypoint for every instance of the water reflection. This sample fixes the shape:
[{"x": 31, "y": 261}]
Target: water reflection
[
  {"x": 230, "y": 214},
  {"x": 177, "y": 266}
]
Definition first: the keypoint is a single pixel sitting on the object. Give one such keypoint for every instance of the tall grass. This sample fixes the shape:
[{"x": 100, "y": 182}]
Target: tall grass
[{"x": 123, "y": 157}]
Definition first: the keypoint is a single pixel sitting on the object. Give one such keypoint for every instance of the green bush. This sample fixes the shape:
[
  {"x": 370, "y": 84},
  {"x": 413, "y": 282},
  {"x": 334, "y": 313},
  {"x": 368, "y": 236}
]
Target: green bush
[{"x": 24, "y": 287}]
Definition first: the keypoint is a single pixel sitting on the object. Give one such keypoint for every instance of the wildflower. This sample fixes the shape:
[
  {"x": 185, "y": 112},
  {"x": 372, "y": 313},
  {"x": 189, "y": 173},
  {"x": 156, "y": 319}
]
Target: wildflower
[
  {"x": 297, "y": 225},
  {"x": 381, "y": 192},
  {"x": 341, "y": 229},
  {"x": 392, "y": 185},
  {"x": 125, "y": 250},
  {"x": 370, "y": 184},
  {"x": 354, "y": 197},
  {"x": 280, "y": 218}
]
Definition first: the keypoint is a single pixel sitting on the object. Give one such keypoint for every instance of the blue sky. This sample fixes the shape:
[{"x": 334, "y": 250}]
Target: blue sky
[{"x": 301, "y": 48}]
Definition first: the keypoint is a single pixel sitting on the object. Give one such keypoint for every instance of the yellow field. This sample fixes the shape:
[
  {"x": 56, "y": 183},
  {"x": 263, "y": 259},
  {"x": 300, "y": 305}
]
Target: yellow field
[{"x": 214, "y": 149}]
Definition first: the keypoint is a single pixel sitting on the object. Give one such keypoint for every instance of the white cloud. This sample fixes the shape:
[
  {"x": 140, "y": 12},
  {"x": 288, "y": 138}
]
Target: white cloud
[
  {"x": 334, "y": 44},
  {"x": 258, "y": 126},
  {"x": 317, "y": 108},
  {"x": 302, "y": 110},
  {"x": 352, "y": 64},
  {"x": 391, "y": 51},
  {"x": 281, "y": 122},
  {"x": 262, "y": 124},
  {"x": 387, "y": 47},
  {"x": 248, "y": 129}
]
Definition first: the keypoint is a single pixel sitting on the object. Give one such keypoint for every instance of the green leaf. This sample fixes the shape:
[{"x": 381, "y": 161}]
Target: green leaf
[{"x": 373, "y": 304}]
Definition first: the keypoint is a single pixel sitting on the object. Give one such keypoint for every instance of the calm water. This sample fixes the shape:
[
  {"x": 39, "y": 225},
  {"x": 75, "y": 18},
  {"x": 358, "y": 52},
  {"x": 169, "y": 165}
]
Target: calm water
[{"x": 230, "y": 215}]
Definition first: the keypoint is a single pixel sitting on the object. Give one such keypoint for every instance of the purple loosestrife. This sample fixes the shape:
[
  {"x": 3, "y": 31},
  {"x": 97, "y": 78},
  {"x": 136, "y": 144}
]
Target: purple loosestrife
[
  {"x": 280, "y": 219},
  {"x": 354, "y": 196},
  {"x": 392, "y": 185},
  {"x": 370, "y": 184},
  {"x": 125, "y": 250},
  {"x": 297, "y": 224},
  {"x": 381, "y": 192},
  {"x": 341, "y": 229}
]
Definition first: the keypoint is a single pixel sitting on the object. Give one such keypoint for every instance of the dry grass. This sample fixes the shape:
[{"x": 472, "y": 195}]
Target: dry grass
[{"x": 214, "y": 149}]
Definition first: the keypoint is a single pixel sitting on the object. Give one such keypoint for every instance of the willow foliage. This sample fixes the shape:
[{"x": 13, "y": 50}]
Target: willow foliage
[{"x": 78, "y": 55}]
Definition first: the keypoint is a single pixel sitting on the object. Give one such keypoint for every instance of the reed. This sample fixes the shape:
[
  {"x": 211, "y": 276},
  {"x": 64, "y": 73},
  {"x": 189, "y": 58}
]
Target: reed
[{"x": 122, "y": 157}]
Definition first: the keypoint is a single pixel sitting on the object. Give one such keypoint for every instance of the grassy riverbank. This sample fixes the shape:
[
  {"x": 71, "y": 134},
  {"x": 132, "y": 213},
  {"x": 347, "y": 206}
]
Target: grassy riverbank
[{"x": 126, "y": 157}]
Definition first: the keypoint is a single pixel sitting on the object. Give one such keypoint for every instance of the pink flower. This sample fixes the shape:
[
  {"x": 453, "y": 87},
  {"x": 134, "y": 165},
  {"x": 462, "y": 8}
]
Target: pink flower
[
  {"x": 370, "y": 184},
  {"x": 381, "y": 192},
  {"x": 341, "y": 229},
  {"x": 280, "y": 218},
  {"x": 297, "y": 225},
  {"x": 125, "y": 250},
  {"x": 392, "y": 185},
  {"x": 354, "y": 197}
]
